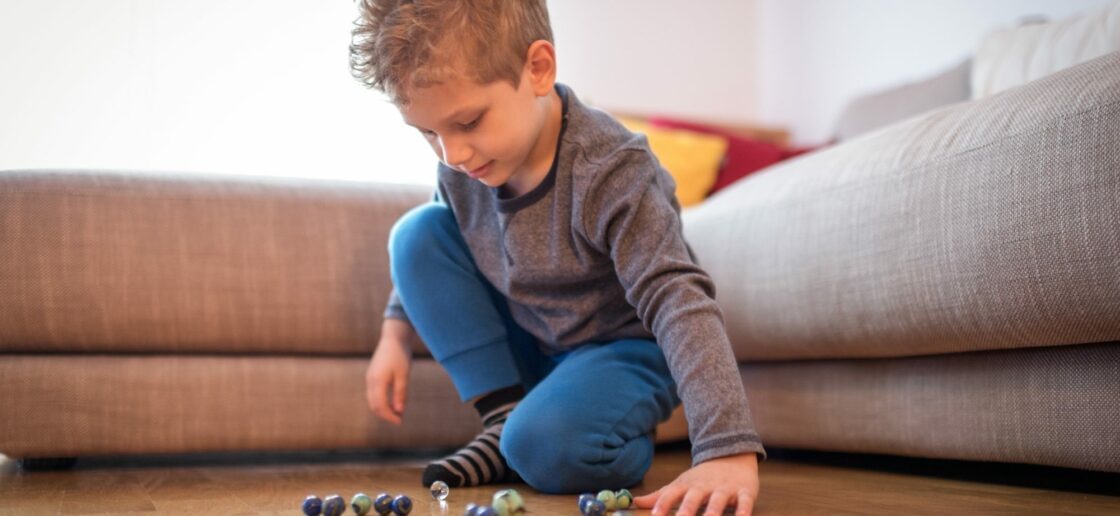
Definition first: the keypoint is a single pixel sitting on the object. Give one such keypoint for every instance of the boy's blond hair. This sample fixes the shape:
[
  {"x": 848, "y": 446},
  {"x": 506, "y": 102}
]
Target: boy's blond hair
[{"x": 398, "y": 45}]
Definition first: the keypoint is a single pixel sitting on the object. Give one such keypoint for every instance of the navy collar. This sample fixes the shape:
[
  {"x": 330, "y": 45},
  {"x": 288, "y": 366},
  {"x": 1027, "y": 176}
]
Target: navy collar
[{"x": 536, "y": 194}]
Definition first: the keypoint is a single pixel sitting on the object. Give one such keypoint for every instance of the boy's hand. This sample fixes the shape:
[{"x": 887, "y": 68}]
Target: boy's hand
[
  {"x": 724, "y": 482},
  {"x": 388, "y": 370}
]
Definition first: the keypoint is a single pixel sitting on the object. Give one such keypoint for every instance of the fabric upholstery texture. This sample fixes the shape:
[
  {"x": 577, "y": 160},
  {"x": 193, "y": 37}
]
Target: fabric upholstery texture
[
  {"x": 986, "y": 225},
  {"x": 882, "y": 108},
  {"x": 1052, "y": 405},
  {"x": 138, "y": 403},
  {"x": 137, "y": 262},
  {"x": 107, "y": 404}
]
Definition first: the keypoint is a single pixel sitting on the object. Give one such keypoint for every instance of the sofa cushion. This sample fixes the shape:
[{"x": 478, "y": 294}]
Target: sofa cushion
[
  {"x": 692, "y": 158},
  {"x": 1009, "y": 57},
  {"x": 104, "y": 261},
  {"x": 988, "y": 224},
  {"x": 874, "y": 110},
  {"x": 745, "y": 155}
]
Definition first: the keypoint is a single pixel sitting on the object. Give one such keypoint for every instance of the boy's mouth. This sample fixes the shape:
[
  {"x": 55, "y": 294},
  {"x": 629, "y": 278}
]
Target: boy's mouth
[{"x": 480, "y": 171}]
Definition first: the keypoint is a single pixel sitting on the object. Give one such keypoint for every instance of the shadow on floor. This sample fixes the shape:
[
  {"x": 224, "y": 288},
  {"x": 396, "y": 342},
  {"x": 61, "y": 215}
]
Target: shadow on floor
[
  {"x": 255, "y": 458},
  {"x": 1021, "y": 475}
]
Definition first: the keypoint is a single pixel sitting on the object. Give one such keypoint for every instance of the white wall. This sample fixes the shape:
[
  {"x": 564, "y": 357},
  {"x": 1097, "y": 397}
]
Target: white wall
[
  {"x": 248, "y": 86},
  {"x": 816, "y": 55},
  {"x": 693, "y": 59}
]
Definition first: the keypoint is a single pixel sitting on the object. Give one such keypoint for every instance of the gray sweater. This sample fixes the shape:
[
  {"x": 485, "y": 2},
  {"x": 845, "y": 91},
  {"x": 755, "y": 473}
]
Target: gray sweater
[{"x": 596, "y": 253}]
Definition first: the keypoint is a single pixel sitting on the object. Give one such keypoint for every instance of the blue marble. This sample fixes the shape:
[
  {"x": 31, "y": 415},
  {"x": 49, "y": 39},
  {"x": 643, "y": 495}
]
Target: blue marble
[
  {"x": 402, "y": 505},
  {"x": 584, "y": 499},
  {"x": 312, "y": 505},
  {"x": 595, "y": 508},
  {"x": 383, "y": 504},
  {"x": 334, "y": 505}
]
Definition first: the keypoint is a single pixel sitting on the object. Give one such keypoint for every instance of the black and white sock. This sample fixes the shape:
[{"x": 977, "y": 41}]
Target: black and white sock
[{"x": 480, "y": 461}]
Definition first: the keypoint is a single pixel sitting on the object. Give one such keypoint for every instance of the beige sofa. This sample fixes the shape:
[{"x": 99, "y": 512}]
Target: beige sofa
[{"x": 948, "y": 287}]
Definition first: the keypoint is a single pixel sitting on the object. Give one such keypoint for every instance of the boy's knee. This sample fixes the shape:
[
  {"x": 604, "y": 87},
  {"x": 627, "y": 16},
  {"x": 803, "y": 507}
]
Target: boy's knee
[
  {"x": 533, "y": 450},
  {"x": 551, "y": 453},
  {"x": 418, "y": 230}
]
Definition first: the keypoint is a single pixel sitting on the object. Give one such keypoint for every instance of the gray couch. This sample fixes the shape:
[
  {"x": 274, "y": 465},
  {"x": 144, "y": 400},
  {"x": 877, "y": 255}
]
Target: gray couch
[{"x": 948, "y": 287}]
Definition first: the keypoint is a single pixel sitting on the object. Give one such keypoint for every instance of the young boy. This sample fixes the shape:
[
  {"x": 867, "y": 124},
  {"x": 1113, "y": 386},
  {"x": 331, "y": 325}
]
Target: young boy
[{"x": 550, "y": 276}]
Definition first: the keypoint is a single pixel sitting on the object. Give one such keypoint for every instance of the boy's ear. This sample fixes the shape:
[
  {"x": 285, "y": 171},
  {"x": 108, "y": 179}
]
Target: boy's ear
[{"x": 540, "y": 67}]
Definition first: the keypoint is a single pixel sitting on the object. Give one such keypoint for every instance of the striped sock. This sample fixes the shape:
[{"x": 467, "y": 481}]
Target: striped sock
[{"x": 480, "y": 461}]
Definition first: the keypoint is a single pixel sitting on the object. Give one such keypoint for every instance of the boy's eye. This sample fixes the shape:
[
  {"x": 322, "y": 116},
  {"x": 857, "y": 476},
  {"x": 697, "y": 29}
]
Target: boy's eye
[{"x": 472, "y": 124}]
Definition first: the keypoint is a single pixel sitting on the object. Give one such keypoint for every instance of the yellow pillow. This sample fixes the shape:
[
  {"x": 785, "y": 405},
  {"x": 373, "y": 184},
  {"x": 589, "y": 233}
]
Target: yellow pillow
[{"x": 692, "y": 158}]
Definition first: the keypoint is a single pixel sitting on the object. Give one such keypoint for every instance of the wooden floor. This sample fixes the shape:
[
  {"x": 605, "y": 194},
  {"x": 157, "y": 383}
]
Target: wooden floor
[{"x": 792, "y": 483}]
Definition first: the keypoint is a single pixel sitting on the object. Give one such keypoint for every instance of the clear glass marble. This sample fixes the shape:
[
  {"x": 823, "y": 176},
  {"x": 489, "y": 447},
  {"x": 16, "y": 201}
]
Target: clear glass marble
[{"x": 440, "y": 491}]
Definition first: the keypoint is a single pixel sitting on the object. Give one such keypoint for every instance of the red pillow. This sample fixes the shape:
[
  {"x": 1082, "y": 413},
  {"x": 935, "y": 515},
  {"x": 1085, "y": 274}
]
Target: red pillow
[{"x": 744, "y": 155}]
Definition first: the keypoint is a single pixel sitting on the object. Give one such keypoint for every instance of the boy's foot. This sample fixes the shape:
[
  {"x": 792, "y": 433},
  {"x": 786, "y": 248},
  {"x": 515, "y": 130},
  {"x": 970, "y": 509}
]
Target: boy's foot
[{"x": 481, "y": 461}]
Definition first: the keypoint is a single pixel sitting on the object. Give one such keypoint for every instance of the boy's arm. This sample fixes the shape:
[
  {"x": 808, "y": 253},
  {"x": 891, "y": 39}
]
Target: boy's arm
[{"x": 630, "y": 212}]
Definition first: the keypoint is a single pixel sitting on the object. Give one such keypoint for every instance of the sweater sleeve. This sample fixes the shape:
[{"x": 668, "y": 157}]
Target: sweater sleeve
[
  {"x": 630, "y": 212},
  {"x": 394, "y": 309}
]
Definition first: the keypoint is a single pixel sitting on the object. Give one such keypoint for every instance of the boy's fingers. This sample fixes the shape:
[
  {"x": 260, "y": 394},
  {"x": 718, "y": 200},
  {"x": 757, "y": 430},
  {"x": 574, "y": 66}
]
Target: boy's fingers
[
  {"x": 693, "y": 499},
  {"x": 647, "y": 501},
  {"x": 670, "y": 495},
  {"x": 380, "y": 401},
  {"x": 371, "y": 394},
  {"x": 745, "y": 504},
  {"x": 717, "y": 502},
  {"x": 400, "y": 392}
]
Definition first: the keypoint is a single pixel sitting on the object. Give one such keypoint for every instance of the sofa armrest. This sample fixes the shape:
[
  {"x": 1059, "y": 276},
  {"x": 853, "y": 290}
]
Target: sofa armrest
[{"x": 990, "y": 224}]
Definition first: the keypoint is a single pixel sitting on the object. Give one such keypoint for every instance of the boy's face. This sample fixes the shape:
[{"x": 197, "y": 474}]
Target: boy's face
[{"x": 490, "y": 132}]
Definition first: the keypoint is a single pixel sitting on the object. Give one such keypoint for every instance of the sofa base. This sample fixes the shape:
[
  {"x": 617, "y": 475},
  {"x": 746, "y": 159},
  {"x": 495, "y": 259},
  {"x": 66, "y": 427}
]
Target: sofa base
[
  {"x": 1052, "y": 406},
  {"x": 58, "y": 405},
  {"x": 1047, "y": 406}
]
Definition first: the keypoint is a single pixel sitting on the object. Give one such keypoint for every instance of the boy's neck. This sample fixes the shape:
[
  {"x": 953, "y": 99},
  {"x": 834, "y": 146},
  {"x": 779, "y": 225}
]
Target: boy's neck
[{"x": 540, "y": 158}]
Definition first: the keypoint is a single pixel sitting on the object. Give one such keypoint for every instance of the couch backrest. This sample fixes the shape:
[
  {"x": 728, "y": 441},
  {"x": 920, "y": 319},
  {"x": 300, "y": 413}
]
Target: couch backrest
[
  {"x": 1014, "y": 56},
  {"x": 104, "y": 261}
]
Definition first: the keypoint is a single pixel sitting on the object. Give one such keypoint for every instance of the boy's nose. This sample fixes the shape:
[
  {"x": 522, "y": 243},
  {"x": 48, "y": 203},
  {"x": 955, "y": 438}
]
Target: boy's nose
[{"x": 456, "y": 154}]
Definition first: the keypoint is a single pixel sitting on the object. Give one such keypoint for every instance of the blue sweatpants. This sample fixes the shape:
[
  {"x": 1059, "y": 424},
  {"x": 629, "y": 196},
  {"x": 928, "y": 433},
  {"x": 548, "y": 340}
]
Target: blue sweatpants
[{"x": 587, "y": 421}]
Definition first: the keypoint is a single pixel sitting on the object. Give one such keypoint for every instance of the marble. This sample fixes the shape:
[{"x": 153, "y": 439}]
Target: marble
[
  {"x": 361, "y": 503},
  {"x": 383, "y": 504},
  {"x": 439, "y": 490},
  {"x": 402, "y": 505},
  {"x": 333, "y": 505},
  {"x": 312, "y": 506},
  {"x": 623, "y": 499}
]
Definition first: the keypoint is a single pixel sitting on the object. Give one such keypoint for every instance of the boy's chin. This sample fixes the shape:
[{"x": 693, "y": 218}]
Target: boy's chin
[{"x": 491, "y": 182}]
